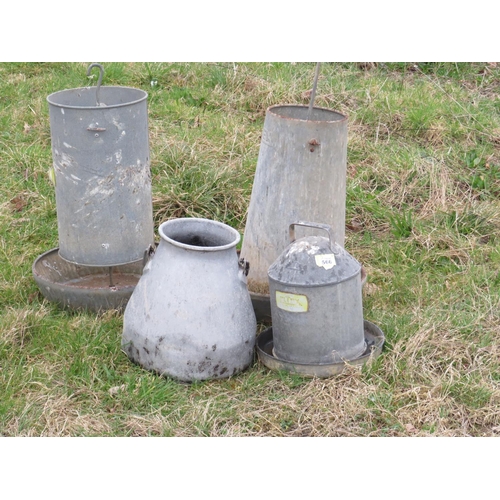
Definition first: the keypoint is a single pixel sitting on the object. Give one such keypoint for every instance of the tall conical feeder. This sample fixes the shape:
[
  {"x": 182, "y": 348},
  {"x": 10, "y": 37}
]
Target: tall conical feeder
[
  {"x": 101, "y": 162},
  {"x": 300, "y": 175}
]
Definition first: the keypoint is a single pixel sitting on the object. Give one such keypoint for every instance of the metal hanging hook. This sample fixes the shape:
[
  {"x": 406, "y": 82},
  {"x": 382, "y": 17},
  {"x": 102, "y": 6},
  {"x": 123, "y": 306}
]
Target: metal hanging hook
[
  {"x": 313, "y": 93},
  {"x": 99, "y": 81}
]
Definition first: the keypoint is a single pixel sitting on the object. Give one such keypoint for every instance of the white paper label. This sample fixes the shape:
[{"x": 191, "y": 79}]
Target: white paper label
[
  {"x": 327, "y": 260},
  {"x": 291, "y": 302}
]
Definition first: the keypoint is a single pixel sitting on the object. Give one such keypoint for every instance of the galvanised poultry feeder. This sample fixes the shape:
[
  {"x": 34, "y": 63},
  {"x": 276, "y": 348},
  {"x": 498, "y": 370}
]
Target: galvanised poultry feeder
[
  {"x": 300, "y": 175},
  {"x": 316, "y": 308},
  {"x": 101, "y": 162}
]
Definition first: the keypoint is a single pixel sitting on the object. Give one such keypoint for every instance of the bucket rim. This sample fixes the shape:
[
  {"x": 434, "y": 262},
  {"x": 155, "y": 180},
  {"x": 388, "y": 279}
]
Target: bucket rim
[
  {"x": 272, "y": 110},
  {"x": 88, "y": 89},
  {"x": 198, "y": 220}
]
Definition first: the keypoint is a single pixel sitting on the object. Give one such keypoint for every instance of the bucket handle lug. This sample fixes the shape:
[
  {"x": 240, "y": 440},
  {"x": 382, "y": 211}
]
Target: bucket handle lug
[
  {"x": 148, "y": 255},
  {"x": 315, "y": 225},
  {"x": 244, "y": 266},
  {"x": 99, "y": 81}
]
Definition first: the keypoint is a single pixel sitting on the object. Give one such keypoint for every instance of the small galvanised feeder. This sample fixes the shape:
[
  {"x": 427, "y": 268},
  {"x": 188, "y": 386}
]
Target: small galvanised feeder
[
  {"x": 104, "y": 204},
  {"x": 316, "y": 308}
]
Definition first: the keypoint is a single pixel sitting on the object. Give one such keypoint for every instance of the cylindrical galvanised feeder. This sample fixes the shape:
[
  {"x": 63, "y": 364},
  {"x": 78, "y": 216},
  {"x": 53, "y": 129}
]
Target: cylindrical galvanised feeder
[
  {"x": 300, "y": 175},
  {"x": 190, "y": 316},
  {"x": 101, "y": 161},
  {"x": 316, "y": 301}
]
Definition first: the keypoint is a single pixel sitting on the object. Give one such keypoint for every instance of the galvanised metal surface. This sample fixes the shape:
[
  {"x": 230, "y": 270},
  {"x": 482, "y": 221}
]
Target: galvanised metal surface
[
  {"x": 300, "y": 175},
  {"x": 374, "y": 338},
  {"x": 102, "y": 171},
  {"x": 316, "y": 301},
  {"x": 76, "y": 287},
  {"x": 190, "y": 316}
]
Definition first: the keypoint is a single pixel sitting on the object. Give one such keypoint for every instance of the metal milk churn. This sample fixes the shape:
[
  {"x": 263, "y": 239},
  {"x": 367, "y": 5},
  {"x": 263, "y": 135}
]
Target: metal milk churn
[
  {"x": 101, "y": 161},
  {"x": 190, "y": 316},
  {"x": 316, "y": 301}
]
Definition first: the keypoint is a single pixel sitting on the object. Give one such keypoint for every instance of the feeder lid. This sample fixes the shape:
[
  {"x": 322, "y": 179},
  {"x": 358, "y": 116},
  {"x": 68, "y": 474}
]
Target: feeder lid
[{"x": 313, "y": 261}]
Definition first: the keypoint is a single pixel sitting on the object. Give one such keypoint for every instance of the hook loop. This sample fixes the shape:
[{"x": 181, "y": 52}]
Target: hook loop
[{"x": 99, "y": 81}]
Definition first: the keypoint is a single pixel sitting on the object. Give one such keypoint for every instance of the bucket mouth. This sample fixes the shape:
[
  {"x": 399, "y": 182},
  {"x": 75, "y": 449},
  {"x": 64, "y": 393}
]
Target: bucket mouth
[
  {"x": 85, "y": 97},
  {"x": 299, "y": 112},
  {"x": 203, "y": 235}
]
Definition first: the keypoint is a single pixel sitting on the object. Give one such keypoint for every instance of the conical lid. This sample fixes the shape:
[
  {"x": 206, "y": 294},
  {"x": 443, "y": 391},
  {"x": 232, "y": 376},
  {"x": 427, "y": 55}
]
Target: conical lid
[{"x": 313, "y": 261}]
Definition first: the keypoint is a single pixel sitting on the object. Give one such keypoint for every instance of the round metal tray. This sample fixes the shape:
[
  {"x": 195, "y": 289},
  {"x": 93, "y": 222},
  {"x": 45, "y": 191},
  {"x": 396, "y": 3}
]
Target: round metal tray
[
  {"x": 82, "y": 287},
  {"x": 374, "y": 339}
]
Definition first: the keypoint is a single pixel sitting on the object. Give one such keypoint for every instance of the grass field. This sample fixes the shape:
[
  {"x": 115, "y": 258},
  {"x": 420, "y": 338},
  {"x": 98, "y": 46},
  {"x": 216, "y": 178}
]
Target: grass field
[{"x": 423, "y": 217}]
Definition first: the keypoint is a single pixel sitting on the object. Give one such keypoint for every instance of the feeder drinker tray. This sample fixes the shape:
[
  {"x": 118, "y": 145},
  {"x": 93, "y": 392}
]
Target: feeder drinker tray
[
  {"x": 374, "y": 339},
  {"x": 83, "y": 287}
]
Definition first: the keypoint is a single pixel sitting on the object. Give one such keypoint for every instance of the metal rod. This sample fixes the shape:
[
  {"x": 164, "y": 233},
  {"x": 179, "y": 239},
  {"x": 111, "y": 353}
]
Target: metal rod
[
  {"x": 313, "y": 93},
  {"x": 99, "y": 81}
]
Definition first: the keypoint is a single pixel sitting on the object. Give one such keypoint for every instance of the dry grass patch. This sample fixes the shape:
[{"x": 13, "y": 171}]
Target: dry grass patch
[{"x": 56, "y": 415}]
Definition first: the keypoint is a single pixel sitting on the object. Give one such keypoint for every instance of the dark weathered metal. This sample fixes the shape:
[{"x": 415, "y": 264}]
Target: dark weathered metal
[
  {"x": 313, "y": 91},
  {"x": 99, "y": 81},
  {"x": 81, "y": 287},
  {"x": 316, "y": 300}
]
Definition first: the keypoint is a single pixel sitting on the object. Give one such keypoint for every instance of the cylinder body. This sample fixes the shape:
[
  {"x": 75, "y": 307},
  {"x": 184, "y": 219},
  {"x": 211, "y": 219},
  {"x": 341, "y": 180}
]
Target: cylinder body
[
  {"x": 102, "y": 171},
  {"x": 316, "y": 303},
  {"x": 190, "y": 316},
  {"x": 300, "y": 175}
]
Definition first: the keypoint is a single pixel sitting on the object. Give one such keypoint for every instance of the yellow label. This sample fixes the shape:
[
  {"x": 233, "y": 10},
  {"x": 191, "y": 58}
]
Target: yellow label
[
  {"x": 326, "y": 260},
  {"x": 291, "y": 302}
]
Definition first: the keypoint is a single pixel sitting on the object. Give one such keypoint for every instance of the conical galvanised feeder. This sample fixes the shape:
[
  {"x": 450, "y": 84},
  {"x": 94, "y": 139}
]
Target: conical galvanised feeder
[{"x": 300, "y": 175}]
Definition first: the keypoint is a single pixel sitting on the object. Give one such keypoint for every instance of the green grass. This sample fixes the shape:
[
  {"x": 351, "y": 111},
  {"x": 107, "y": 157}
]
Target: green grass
[{"x": 423, "y": 217}]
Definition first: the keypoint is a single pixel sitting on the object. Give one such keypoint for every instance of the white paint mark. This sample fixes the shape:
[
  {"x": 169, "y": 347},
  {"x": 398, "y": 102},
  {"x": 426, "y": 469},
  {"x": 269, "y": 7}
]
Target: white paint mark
[
  {"x": 117, "y": 124},
  {"x": 62, "y": 111},
  {"x": 105, "y": 245},
  {"x": 101, "y": 191},
  {"x": 66, "y": 145},
  {"x": 75, "y": 177}
]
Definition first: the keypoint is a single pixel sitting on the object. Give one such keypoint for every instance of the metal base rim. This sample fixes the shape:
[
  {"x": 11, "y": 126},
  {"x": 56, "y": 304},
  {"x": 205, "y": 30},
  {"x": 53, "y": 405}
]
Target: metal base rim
[
  {"x": 82, "y": 298},
  {"x": 374, "y": 339}
]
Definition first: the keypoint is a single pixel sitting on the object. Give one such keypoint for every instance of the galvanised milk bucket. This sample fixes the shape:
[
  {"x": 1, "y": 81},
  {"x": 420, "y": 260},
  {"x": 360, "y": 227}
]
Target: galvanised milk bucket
[{"x": 190, "y": 316}]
